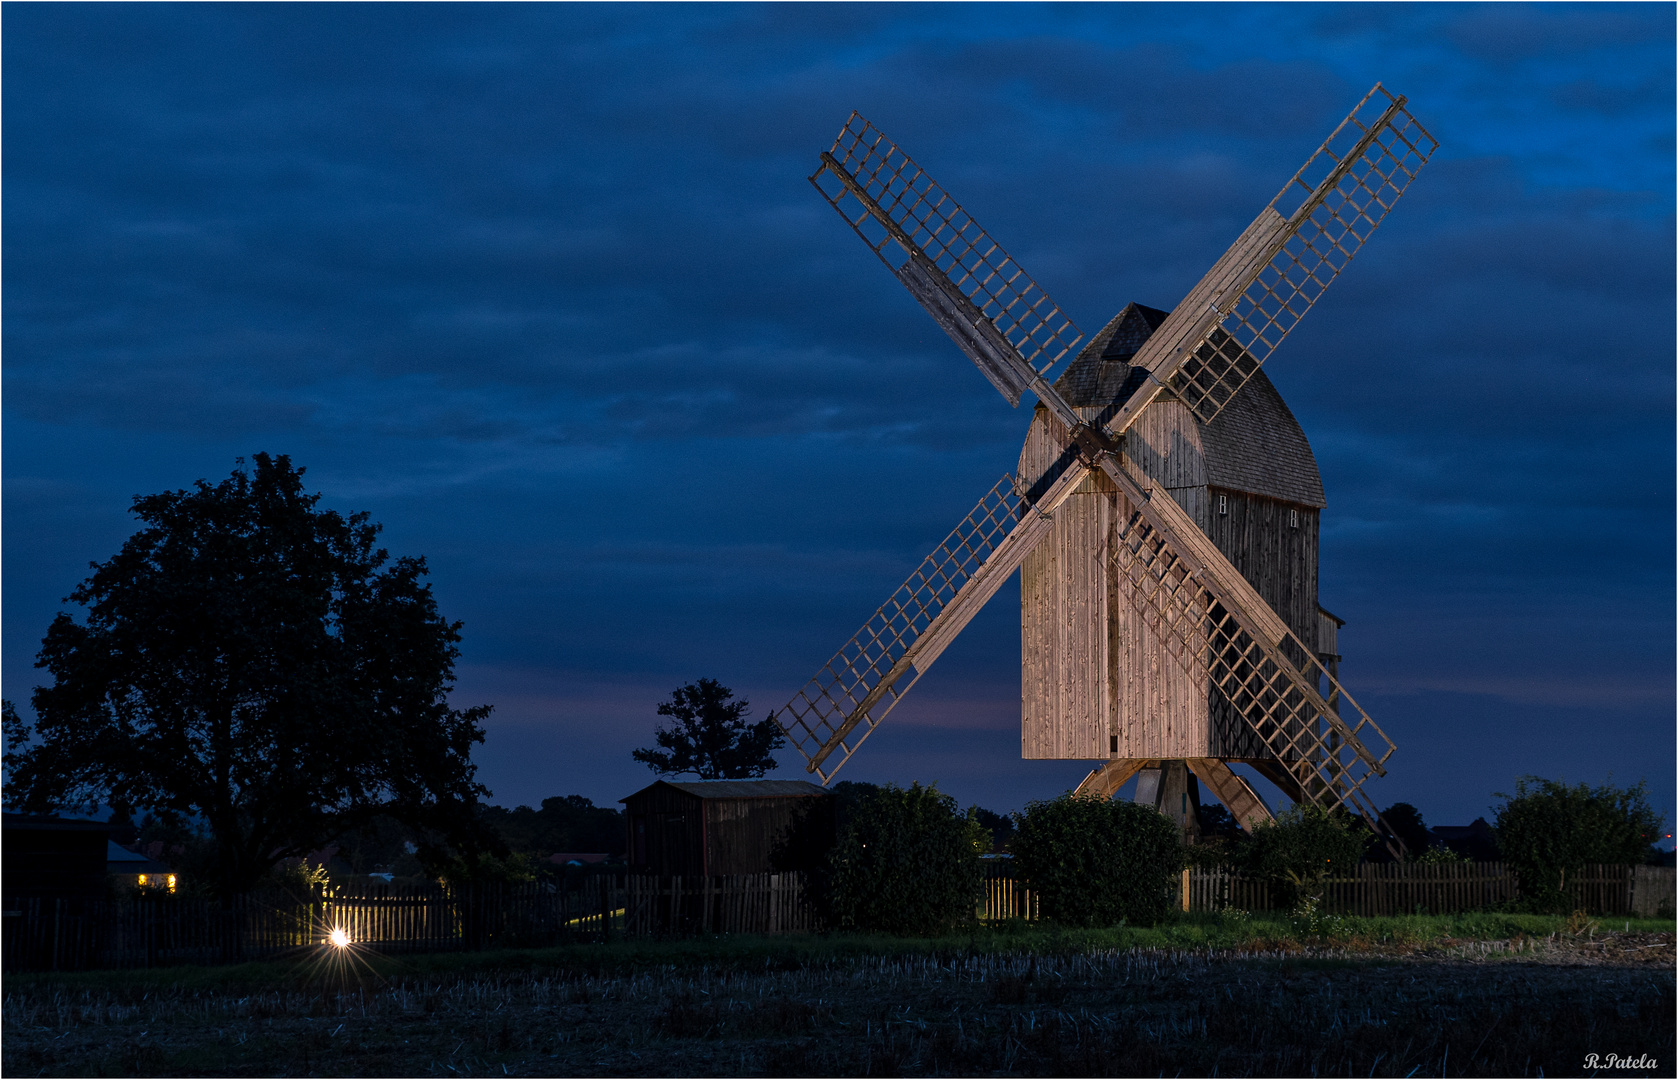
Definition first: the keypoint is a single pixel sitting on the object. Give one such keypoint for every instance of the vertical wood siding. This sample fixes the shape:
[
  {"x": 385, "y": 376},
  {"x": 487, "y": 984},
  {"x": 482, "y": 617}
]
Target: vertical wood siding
[
  {"x": 1094, "y": 669},
  {"x": 746, "y": 836},
  {"x": 667, "y": 830},
  {"x": 1064, "y": 706}
]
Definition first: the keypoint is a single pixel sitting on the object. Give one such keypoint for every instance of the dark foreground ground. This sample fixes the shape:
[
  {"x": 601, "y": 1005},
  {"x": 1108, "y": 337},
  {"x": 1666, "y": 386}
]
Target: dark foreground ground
[{"x": 1515, "y": 1007}]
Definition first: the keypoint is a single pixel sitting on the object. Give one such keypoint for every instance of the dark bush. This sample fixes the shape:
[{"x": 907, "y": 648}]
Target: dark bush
[
  {"x": 568, "y": 823},
  {"x": 906, "y": 862},
  {"x": 1549, "y": 830},
  {"x": 1097, "y": 862},
  {"x": 1304, "y": 845}
]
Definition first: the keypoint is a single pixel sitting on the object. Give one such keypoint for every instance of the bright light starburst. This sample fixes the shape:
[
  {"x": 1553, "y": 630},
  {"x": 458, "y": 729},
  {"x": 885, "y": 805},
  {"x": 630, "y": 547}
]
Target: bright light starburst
[{"x": 338, "y": 937}]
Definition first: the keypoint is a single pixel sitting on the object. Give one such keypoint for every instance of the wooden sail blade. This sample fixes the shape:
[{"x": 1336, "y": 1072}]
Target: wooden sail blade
[
  {"x": 1333, "y": 204},
  {"x": 1216, "y": 622},
  {"x": 990, "y": 307},
  {"x": 843, "y": 704},
  {"x": 1259, "y": 290}
]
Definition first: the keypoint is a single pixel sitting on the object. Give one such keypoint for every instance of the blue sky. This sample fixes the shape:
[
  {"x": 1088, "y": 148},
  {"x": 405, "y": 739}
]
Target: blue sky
[{"x": 545, "y": 290}]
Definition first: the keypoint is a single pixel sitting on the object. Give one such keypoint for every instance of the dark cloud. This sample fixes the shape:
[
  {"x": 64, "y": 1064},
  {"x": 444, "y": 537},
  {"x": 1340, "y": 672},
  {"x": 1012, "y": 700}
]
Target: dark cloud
[
  {"x": 1515, "y": 32},
  {"x": 545, "y": 289}
]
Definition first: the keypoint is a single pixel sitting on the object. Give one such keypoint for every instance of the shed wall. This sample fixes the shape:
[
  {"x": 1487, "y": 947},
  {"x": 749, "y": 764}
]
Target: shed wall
[
  {"x": 675, "y": 832},
  {"x": 744, "y": 836},
  {"x": 666, "y": 831}
]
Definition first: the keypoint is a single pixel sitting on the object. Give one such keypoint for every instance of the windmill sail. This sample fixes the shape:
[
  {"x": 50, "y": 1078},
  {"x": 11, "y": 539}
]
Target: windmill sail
[
  {"x": 841, "y": 706},
  {"x": 990, "y": 307},
  {"x": 1220, "y": 623},
  {"x": 1211, "y": 343},
  {"x": 1257, "y": 292}
]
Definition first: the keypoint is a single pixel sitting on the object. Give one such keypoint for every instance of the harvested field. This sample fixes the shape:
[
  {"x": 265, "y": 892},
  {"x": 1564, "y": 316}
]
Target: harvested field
[{"x": 1519, "y": 1007}]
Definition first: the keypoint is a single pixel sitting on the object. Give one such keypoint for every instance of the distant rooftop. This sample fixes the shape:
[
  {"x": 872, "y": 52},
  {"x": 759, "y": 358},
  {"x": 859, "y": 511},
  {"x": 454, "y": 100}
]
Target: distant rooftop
[{"x": 741, "y": 789}]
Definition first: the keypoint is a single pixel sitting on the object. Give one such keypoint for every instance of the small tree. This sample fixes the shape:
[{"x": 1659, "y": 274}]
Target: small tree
[
  {"x": 1303, "y": 847},
  {"x": 712, "y": 737},
  {"x": 1094, "y": 861},
  {"x": 1549, "y": 830},
  {"x": 907, "y": 862},
  {"x": 1000, "y": 827}
]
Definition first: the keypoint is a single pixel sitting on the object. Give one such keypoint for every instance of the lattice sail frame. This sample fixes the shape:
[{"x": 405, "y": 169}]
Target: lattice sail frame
[
  {"x": 1331, "y": 209},
  {"x": 912, "y": 209},
  {"x": 832, "y": 712},
  {"x": 1336, "y": 200},
  {"x": 1328, "y": 754}
]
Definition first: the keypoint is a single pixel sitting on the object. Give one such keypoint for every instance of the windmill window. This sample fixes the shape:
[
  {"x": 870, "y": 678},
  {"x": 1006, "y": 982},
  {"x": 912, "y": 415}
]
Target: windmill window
[
  {"x": 1223, "y": 504},
  {"x": 1293, "y": 519},
  {"x": 1112, "y": 744}
]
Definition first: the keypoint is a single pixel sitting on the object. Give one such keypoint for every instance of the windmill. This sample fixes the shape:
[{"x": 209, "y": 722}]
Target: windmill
[{"x": 1164, "y": 510}]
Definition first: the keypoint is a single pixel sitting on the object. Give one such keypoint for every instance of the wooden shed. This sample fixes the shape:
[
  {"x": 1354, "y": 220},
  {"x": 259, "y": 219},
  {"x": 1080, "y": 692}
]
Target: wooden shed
[
  {"x": 728, "y": 826},
  {"x": 1100, "y": 677}
]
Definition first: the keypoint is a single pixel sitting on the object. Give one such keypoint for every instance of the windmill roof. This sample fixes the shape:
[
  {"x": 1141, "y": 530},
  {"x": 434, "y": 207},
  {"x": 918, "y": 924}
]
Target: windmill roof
[
  {"x": 1254, "y": 445},
  {"x": 1101, "y": 374}
]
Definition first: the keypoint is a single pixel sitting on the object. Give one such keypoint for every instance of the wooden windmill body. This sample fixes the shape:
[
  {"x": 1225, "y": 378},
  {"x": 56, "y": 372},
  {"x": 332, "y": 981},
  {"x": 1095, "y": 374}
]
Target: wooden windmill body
[
  {"x": 1099, "y": 679},
  {"x": 1164, "y": 509}
]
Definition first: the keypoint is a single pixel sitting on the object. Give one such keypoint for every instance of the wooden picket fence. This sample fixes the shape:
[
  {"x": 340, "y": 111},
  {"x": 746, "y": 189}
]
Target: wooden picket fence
[
  {"x": 1005, "y": 898},
  {"x": 47, "y": 934},
  {"x": 58, "y": 934},
  {"x": 1654, "y": 891},
  {"x": 1389, "y": 889}
]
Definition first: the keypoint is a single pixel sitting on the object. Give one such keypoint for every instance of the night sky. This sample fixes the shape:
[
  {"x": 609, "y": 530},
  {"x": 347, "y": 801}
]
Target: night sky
[{"x": 545, "y": 290}]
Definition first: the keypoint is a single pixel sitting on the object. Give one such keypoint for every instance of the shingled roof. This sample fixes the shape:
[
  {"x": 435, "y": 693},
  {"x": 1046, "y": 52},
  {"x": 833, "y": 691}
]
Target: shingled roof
[
  {"x": 1254, "y": 445},
  {"x": 1100, "y": 374}
]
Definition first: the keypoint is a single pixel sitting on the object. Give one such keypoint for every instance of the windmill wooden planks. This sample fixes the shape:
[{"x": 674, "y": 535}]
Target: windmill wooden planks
[{"x": 1165, "y": 510}]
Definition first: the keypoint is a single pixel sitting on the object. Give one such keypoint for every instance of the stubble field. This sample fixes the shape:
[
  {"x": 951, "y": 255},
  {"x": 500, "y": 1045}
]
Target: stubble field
[{"x": 1525, "y": 1005}]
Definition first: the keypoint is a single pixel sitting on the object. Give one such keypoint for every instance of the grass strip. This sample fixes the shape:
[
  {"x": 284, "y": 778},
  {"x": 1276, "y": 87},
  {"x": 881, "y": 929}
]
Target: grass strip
[{"x": 1225, "y": 932}]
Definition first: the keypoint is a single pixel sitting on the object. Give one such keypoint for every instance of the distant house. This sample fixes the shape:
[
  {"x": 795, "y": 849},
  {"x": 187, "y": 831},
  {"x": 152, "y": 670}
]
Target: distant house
[
  {"x": 52, "y": 857},
  {"x": 728, "y": 826},
  {"x": 136, "y": 871},
  {"x": 578, "y": 858},
  {"x": 1475, "y": 841}
]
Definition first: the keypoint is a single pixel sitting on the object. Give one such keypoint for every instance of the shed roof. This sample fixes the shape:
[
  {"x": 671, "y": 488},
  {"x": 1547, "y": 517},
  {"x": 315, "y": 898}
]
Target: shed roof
[
  {"x": 1254, "y": 445},
  {"x": 119, "y": 860},
  {"x": 739, "y": 789},
  {"x": 49, "y": 823}
]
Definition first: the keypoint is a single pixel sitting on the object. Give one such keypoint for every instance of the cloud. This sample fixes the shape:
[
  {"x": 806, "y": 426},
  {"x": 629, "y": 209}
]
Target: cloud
[{"x": 546, "y": 290}]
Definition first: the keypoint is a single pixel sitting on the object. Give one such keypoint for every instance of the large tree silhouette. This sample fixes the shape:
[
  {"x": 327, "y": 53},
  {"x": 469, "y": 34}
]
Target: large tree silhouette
[
  {"x": 711, "y": 736},
  {"x": 252, "y": 663}
]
